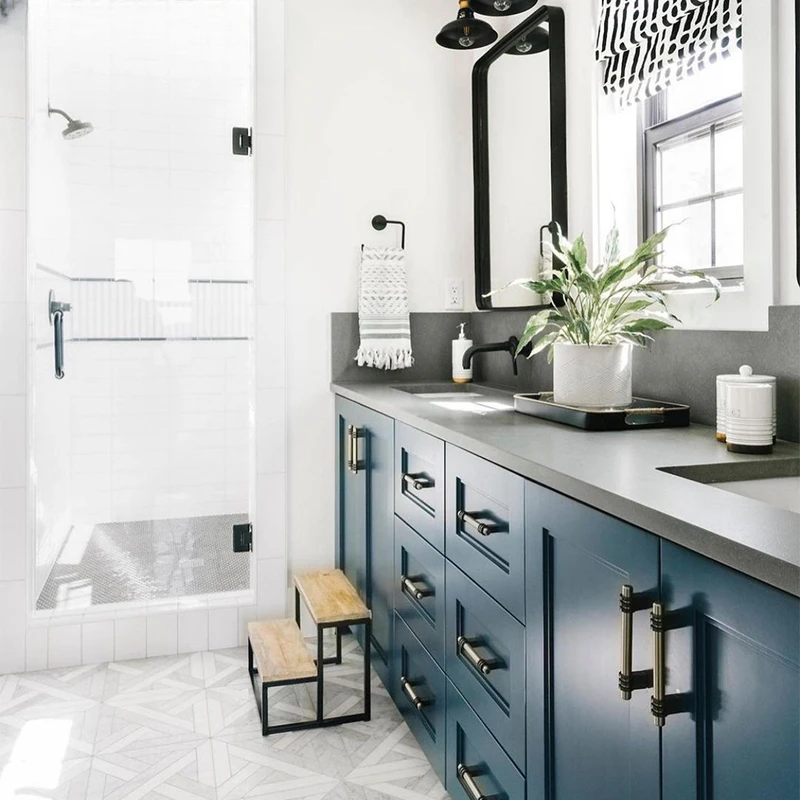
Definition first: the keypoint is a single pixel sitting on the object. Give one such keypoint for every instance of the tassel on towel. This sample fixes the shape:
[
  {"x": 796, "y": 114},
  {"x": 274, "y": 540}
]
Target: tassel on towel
[{"x": 383, "y": 319}]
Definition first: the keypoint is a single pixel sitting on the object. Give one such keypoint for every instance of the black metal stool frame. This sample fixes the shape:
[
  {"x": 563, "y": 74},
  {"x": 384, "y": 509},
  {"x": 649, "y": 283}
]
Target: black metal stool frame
[{"x": 262, "y": 698}]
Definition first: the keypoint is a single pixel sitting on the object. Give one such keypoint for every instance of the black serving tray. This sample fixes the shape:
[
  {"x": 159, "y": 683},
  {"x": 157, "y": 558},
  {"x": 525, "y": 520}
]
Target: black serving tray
[{"x": 641, "y": 413}]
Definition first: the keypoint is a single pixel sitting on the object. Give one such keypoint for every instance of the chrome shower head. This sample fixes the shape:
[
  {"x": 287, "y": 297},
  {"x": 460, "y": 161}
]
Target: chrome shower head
[{"x": 75, "y": 128}]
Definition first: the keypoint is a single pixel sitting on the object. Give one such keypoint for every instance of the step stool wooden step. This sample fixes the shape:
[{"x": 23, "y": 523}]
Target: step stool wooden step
[
  {"x": 280, "y": 651},
  {"x": 330, "y": 597}
]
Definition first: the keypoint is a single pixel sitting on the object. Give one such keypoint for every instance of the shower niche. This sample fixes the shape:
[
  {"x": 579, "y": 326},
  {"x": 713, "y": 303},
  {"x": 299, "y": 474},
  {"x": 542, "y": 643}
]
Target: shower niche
[{"x": 143, "y": 450}]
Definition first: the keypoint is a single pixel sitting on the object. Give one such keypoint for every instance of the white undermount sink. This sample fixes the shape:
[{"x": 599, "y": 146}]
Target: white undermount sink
[
  {"x": 778, "y": 492},
  {"x": 454, "y": 398}
]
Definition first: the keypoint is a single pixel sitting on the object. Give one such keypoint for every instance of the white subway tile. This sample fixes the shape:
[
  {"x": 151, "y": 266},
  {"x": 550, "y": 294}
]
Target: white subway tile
[
  {"x": 246, "y": 614},
  {"x": 12, "y": 631},
  {"x": 223, "y": 626},
  {"x": 271, "y": 588},
  {"x": 270, "y": 158},
  {"x": 36, "y": 648},
  {"x": 130, "y": 638},
  {"x": 12, "y": 255},
  {"x": 64, "y": 646},
  {"x": 12, "y": 441},
  {"x": 270, "y": 522},
  {"x": 192, "y": 631},
  {"x": 270, "y": 78},
  {"x": 13, "y": 534},
  {"x": 162, "y": 635},
  {"x": 12, "y": 68},
  {"x": 270, "y": 272},
  {"x": 12, "y": 164},
  {"x": 98, "y": 642}
]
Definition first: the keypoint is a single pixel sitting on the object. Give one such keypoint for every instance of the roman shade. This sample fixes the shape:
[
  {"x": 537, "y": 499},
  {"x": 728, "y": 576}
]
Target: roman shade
[{"x": 645, "y": 45}]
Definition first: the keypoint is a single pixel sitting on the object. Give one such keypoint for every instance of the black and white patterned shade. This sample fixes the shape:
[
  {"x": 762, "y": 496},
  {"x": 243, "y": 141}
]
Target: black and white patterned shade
[{"x": 646, "y": 45}]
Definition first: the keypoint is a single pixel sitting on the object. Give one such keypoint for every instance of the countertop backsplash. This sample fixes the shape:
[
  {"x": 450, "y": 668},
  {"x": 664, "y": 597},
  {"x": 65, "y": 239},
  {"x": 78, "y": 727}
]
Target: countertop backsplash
[{"x": 680, "y": 366}]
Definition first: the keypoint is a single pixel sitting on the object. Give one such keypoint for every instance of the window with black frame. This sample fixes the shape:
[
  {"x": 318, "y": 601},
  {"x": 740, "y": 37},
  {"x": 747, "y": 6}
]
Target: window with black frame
[{"x": 693, "y": 170}]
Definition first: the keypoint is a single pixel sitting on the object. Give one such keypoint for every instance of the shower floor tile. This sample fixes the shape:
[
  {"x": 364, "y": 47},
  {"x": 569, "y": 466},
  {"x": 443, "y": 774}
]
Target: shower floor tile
[{"x": 120, "y": 562}]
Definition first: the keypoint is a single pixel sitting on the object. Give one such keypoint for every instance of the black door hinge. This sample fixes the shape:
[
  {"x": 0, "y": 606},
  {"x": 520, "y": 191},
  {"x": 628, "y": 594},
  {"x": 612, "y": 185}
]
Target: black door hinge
[
  {"x": 243, "y": 538},
  {"x": 243, "y": 141}
]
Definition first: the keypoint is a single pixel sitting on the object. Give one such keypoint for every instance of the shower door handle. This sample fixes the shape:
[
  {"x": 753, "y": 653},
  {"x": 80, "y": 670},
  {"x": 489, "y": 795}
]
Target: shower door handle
[{"x": 56, "y": 311}]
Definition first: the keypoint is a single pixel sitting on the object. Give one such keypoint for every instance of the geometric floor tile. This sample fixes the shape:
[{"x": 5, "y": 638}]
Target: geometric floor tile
[{"x": 186, "y": 727}]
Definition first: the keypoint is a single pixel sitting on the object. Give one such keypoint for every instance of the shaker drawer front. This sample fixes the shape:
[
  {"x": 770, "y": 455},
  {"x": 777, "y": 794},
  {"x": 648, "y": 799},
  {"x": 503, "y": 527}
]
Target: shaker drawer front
[
  {"x": 419, "y": 483},
  {"x": 420, "y": 694},
  {"x": 419, "y": 588},
  {"x": 486, "y": 526},
  {"x": 476, "y": 765},
  {"x": 485, "y": 659}
]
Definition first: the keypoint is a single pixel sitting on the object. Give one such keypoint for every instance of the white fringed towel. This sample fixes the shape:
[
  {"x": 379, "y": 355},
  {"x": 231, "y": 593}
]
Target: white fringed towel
[{"x": 383, "y": 319}]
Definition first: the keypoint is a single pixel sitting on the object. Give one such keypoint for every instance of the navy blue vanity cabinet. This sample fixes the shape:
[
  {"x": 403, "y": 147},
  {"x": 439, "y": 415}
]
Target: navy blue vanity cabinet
[
  {"x": 420, "y": 694},
  {"x": 419, "y": 588},
  {"x": 732, "y": 649},
  {"x": 364, "y": 518},
  {"x": 419, "y": 483},
  {"x": 485, "y": 527},
  {"x": 584, "y": 740},
  {"x": 485, "y": 659},
  {"x": 477, "y": 767}
]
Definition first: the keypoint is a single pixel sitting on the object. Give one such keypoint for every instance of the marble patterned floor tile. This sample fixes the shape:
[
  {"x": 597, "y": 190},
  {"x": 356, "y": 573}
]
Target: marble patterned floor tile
[{"x": 186, "y": 727}]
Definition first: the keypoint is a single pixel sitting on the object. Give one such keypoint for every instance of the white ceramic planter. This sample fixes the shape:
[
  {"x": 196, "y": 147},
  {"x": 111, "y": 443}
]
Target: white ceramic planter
[{"x": 592, "y": 377}]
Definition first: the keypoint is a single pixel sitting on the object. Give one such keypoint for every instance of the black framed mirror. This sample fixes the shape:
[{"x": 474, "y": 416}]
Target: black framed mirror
[
  {"x": 797, "y": 131},
  {"x": 519, "y": 117}
]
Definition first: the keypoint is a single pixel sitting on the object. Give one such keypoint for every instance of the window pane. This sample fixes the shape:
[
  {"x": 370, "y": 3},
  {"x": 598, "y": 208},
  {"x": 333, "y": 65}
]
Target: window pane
[
  {"x": 729, "y": 157},
  {"x": 688, "y": 244},
  {"x": 730, "y": 225},
  {"x": 685, "y": 169},
  {"x": 715, "y": 82}
]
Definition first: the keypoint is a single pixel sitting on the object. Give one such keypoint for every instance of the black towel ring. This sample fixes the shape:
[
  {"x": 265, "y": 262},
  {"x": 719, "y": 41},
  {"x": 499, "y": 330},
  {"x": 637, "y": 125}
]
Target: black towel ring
[{"x": 379, "y": 222}]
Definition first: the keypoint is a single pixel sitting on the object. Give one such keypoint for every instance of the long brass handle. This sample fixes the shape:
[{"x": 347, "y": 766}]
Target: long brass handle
[
  {"x": 658, "y": 700},
  {"x": 417, "y": 482},
  {"x": 468, "y": 782},
  {"x": 481, "y": 527},
  {"x": 630, "y": 681},
  {"x": 408, "y": 691},
  {"x": 410, "y": 588},
  {"x": 467, "y": 649},
  {"x": 353, "y": 435}
]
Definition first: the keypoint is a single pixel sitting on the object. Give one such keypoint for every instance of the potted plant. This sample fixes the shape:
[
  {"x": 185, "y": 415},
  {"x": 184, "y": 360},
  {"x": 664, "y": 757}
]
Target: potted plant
[{"x": 604, "y": 311}]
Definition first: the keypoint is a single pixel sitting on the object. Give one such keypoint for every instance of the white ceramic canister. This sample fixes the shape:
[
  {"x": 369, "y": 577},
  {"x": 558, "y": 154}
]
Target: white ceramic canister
[
  {"x": 745, "y": 375},
  {"x": 748, "y": 423}
]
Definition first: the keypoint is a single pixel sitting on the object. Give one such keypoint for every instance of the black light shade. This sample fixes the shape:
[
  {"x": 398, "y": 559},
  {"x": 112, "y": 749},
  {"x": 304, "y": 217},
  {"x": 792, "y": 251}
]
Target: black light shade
[
  {"x": 466, "y": 33},
  {"x": 537, "y": 41},
  {"x": 502, "y": 8}
]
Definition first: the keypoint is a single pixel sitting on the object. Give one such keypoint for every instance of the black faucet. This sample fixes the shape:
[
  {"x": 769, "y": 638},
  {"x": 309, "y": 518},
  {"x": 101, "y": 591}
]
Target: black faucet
[{"x": 509, "y": 346}]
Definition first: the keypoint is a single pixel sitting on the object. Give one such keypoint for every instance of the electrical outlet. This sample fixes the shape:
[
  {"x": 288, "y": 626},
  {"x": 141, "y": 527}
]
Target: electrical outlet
[{"x": 454, "y": 298}]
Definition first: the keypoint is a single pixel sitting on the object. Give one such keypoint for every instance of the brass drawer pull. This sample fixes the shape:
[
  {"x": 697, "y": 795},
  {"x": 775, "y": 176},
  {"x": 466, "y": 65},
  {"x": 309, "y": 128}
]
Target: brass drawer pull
[
  {"x": 353, "y": 435},
  {"x": 483, "y": 665},
  {"x": 481, "y": 527},
  {"x": 414, "y": 698},
  {"x": 658, "y": 700},
  {"x": 468, "y": 783},
  {"x": 630, "y": 681},
  {"x": 411, "y": 589},
  {"x": 418, "y": 482}
]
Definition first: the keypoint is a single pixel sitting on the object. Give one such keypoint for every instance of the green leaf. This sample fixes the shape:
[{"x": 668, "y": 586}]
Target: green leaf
[
  {"x": 545, "y": 341},
  {"x": 612, "y": 246},
  {"x": 647, "y": 324},
  {"x": 536, "y": 324},
  {"x": 580, "y": 255}
]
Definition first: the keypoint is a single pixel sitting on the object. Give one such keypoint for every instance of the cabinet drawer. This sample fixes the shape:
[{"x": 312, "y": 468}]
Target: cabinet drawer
[
  {"x": 485, "y": 659},
  {"x": 420, "y": 693},
  {"x": 476, "y": 764},
  {"x": 419, "y": 483},
  {"x": 419, "y": 588},
  {"x": 486, "y": 526}
]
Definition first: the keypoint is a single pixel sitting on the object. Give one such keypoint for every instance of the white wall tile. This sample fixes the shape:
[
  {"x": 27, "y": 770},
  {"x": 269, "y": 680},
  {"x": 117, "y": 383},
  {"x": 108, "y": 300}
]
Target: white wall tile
[
  {"x": 270, "y": 522},
  {"x": 12, "y": 441},
  {"x": 162, "y": 635},
  {"x": 130, "y": 638},
  {"x": 36, "y": 648},
  {"x": 269, "y": 152},
  {"x": 271, "y": 430},
  {"x": 246, "y": 614},
  {"x": 12, "y": 256},
  {"x": 12, "y": 629},
  {"x": 270, "y": 272},
  {"x": 13, "y": 534},
  {"x": 271, "y": 352},
  {"x": 64, "y": 647},
  {"x": 98, "y": 642},
  {"x": 223, "y": 628},
  {"x": 270, "y": 79},
  {"x": 12, "y": 68},
  {"x": 192, "y": 631},
  {"x": 271, "y": 588},
  {"x": 13, "y": 332},
  {"x": 12, "y": 164}
]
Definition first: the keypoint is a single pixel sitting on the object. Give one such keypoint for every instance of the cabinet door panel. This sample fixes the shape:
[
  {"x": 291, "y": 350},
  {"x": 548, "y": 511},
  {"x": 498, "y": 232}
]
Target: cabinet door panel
[
  {"x": 419, "y": 483},
  {"x": 419, "y": 588},
  {"x": 419, "y": 690},
  {"x": 471, "y": 747},
  {"x": 732, "y": 650},
  {"x": 493, "y": 555},
  {"x": 479, "y": 628},
  {"x": 585, "y": 741}
]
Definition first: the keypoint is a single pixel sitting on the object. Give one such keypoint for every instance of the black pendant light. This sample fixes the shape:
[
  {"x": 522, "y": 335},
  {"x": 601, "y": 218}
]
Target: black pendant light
[
  {"x": 466, "y": 33},
  {"x": 537, "y": 41},
  {"x": 502, "y": 8}
]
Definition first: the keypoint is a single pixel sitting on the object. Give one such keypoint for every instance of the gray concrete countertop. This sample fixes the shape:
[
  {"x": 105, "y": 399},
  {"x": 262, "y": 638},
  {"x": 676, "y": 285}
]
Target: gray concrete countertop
[{"x": 620, "y": 473}]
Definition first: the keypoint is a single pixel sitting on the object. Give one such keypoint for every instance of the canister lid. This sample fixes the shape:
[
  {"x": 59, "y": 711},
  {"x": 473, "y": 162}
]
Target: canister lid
[{"x": 745, "y": 375}]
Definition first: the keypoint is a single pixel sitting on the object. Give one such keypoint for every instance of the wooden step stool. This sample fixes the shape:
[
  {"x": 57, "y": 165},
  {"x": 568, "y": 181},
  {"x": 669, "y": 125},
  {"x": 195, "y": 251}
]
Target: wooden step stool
[{"x": 281, "y": 655}]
